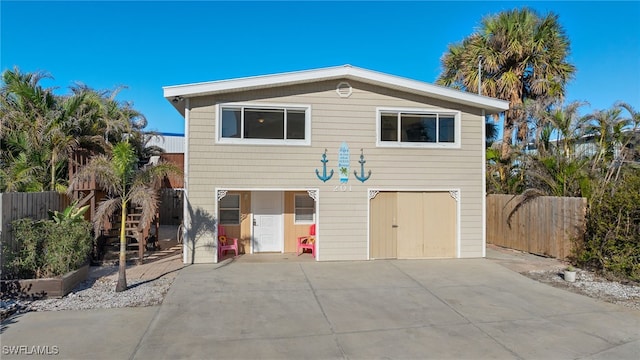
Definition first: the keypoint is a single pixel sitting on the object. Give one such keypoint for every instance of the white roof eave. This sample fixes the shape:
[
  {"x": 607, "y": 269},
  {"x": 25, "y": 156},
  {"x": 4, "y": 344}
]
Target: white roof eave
[{"x": 491, "y": 105}]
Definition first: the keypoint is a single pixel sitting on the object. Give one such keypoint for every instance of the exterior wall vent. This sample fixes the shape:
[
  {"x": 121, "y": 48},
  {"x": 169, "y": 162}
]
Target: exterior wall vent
[{"x": 344, "y": 89}]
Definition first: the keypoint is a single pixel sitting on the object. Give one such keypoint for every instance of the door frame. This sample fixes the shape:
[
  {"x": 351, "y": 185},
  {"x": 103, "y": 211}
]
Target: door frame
[
  {"x": 314, "y": 192},
  {"x": 455, "y": 193}
]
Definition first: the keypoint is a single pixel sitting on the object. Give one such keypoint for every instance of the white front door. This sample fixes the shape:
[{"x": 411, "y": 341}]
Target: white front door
[{"x": 267, "y": 221}]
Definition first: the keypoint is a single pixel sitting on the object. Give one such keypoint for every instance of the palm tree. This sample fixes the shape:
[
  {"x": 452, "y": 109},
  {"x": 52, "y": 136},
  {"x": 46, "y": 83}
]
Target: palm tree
[
  {"x": 631, "y": 137},
  {"x": 607, "y": 127},
  {"x": 39, "y": 131},
  {"x": 26, "y": 111},
  {"x": 126, "y": 186},
  {"x": 523, "y": 57},
  {"x": 565, "y": 122}
]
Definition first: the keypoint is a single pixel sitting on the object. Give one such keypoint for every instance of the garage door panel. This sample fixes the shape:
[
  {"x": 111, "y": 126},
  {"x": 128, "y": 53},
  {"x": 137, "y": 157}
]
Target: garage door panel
[
  {"x": 410, "y": 220},
  {"x": 439, "y": 225},
  {"x": 382, "y": 229}
]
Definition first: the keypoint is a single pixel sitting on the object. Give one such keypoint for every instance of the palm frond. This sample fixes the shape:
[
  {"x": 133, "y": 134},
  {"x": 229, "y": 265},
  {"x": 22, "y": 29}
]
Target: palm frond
[
  {"x": 146, "y": 198},
  {"x": 104, "y": 212}
]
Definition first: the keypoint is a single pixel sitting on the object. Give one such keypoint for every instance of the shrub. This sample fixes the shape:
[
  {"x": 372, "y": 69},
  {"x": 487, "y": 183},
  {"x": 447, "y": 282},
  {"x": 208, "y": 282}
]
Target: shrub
[
  {"x": 47, "y": 248},
  {"x": 612, "y": 239}
]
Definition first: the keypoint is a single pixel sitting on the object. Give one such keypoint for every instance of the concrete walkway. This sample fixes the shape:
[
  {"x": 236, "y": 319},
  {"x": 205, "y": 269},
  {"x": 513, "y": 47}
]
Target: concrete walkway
[{"x": 400, "y": 309}]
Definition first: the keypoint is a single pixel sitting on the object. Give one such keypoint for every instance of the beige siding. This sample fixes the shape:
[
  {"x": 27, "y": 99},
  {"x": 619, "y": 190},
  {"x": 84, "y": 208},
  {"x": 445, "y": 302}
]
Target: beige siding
[{"x": 343, "y": 215}]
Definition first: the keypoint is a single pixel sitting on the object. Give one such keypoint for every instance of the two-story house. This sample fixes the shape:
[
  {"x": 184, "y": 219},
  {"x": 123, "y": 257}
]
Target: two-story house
[{"x": 384, "y": 166}]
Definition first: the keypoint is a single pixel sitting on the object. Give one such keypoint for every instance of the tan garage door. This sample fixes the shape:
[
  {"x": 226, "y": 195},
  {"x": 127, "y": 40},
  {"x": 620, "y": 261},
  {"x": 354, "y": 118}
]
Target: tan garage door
[{"x": 409, "y": 225}]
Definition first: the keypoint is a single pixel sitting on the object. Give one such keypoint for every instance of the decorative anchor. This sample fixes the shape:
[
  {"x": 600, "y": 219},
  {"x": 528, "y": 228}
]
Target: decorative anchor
[
  {"x": 362, "y": 178},
  {"x": 324, "y": 161}
]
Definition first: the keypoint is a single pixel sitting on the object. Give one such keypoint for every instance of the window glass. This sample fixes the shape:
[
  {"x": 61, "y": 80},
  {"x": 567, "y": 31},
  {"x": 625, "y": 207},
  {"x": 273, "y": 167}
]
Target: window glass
[
  {"x": 304, "y": 209},
  {"x": 263, "y": 124},
  {"x": 418, "y": 128},
  {"x": 231, "y": 120},
  {"x": 389, "y": 127},
  {"x": 447, "y": 129},
  {"x": 272, "y": 124},
  {"x": 295, "y": 124},
  {"x": 230, "y": 210}
]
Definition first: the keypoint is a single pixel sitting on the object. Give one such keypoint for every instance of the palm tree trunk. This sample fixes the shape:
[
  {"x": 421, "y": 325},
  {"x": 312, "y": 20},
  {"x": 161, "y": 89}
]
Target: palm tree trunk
[
  {"x": 53, "y": 171},
  {"x": 507, "y": 135},
  {"x": 122, "y": 267}
]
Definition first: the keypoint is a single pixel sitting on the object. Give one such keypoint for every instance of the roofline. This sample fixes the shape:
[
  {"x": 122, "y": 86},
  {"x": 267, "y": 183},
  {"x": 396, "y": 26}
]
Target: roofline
[{"x": 178, "y": 92}]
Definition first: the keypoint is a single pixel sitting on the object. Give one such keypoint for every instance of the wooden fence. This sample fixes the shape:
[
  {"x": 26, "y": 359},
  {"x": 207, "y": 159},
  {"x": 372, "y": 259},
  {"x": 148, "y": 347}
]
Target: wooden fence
[
  {"x": 15, "y": 206},
  {"x": 546, "y": 225}
]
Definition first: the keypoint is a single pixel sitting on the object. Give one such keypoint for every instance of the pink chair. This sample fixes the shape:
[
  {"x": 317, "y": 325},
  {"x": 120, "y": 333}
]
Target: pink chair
[
  {"x": 226, "y": 243},
  {"x": 308, "y": 241}
]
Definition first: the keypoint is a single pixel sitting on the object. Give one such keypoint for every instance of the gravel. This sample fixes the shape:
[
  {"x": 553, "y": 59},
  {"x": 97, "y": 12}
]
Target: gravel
[
  {"x": 589, "y": 284},
  {"x": 97, "y": 292}
]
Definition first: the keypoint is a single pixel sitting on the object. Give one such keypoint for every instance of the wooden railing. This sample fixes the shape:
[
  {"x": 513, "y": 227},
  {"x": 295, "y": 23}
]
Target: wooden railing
[{"x": 79, "y": 159}]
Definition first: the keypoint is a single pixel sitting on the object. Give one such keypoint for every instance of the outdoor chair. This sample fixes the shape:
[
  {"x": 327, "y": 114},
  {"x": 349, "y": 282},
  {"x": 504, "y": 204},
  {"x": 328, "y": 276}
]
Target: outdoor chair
[
  {"x": 308, "y": 241},
  {"x": 226, "y": 243}
]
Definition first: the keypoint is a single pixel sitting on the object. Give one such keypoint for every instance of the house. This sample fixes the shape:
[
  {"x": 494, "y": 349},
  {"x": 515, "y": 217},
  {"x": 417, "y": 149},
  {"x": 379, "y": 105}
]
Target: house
[
  {"x": 170, "y": 143},
  {"x": 171, "y": 193},
  {"x": 384, "y": 166}
]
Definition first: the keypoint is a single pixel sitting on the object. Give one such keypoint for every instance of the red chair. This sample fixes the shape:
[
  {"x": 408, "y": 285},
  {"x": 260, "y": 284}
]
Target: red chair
[
  {"x": 226, "y": 243},
  {"x": 308, "y": 241}
]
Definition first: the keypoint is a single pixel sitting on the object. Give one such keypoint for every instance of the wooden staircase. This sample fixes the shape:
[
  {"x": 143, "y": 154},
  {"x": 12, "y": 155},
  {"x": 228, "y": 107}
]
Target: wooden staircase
[
  {"x": 136, "y": 232},
  {"x": 88, "y": 192}
]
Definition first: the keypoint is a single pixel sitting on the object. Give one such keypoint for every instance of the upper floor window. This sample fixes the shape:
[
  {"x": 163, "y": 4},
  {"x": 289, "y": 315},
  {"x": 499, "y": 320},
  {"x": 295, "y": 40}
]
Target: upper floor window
[
  {"x": 260, "y": 124},
  {"x": 417, "y": 128}
]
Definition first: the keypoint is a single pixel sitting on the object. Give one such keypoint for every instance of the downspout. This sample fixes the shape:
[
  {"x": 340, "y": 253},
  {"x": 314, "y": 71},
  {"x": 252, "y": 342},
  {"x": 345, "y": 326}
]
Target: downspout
[
  {"x": 484, "y": 186},
  {"x": 480, "y": 75},
  {"x": 186, "y": 218}
]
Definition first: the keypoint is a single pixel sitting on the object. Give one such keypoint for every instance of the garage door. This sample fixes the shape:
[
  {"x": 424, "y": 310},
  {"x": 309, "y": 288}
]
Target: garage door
[{"x": 412, "y": 225}]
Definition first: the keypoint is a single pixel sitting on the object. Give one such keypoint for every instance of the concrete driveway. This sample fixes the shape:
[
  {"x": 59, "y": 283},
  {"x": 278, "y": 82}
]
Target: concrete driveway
[{"x": 431, "y": 309}]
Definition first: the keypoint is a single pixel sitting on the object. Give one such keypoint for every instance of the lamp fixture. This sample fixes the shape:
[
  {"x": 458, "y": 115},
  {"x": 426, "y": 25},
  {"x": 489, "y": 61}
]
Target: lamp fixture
[{"x": 177, "y": 98}]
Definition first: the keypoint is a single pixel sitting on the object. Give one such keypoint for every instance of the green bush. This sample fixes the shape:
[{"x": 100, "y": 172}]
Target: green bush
[
  {"x": 47, "y": 248},
  {"x": 612, "y": 239}
]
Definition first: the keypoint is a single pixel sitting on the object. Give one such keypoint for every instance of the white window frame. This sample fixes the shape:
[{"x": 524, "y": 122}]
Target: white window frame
[
  {"x": 239, "y": 209},
  {"x": 241, "y": 141},
  {"x": 295, "y": 212},
  {"x": 456, "y": 144}
]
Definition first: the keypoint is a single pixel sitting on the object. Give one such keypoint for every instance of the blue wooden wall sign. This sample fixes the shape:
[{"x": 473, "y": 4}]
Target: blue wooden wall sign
[
  {"x": 324, "y": 161},
  {"x": 362, "y": 177},
  {"x": 343, "y": 162}
]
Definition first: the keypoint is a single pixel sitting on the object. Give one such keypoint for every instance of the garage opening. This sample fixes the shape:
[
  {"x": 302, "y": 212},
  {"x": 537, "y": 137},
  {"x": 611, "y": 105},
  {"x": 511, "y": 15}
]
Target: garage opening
[{"x": 413, "y": 225}]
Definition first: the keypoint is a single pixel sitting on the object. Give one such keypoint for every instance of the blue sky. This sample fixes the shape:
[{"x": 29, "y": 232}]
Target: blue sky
[{"x": 146, "y": 45}]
